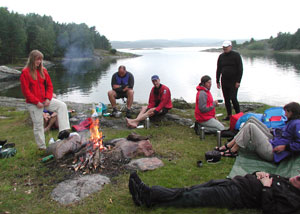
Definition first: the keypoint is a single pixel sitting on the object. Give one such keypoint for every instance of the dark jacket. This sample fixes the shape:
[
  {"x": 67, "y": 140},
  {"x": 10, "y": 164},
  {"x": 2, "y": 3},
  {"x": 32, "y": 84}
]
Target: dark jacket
[
  {"x": 230, "y": 66},
  {"x": 290, "y": 137}
]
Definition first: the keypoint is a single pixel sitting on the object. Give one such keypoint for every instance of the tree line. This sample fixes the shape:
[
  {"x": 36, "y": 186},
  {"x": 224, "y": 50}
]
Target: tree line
[
  {"x": 19, "y": 34},
  {"x": 283, "y": 41}
]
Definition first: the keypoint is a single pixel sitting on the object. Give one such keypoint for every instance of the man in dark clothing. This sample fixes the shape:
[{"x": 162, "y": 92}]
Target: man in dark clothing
[
  {"x": 260, "y": 190},
  {"x": 230, "y": 67},
  {"x": 159, "y": 103},
  {"x": 122, "y": 86}
]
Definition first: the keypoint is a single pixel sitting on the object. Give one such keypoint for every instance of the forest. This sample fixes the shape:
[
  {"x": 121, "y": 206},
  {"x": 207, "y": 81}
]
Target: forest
[{"x": 19, "y": 34}]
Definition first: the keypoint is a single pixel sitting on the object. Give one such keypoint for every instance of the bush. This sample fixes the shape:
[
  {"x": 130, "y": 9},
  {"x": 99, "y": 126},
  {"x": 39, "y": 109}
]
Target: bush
[{"x": 113, "y": 51}]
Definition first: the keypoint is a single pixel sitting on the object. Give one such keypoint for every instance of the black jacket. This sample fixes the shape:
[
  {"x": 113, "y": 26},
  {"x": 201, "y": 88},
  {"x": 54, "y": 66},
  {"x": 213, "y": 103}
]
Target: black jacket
[{"x": 230, "y": 66}]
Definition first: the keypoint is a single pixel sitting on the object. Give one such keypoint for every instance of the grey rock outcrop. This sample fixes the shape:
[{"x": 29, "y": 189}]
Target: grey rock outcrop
[
  {"x": 7, "y": 73},
  {"x": 73, "y": 190},
  {"x": 144, "y": 164}
]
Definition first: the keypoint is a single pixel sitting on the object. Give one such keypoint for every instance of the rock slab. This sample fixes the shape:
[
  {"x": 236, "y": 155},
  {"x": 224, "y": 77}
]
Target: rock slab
[
  {"x": 73, "y": 190},
  {"x": 144, "y": 164},
  {"x": 132, "y": 149}
]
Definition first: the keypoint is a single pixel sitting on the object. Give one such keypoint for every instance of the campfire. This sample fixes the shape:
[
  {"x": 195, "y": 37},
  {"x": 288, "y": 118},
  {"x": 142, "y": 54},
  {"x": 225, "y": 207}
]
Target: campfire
[{"x": 90, "y": 155}]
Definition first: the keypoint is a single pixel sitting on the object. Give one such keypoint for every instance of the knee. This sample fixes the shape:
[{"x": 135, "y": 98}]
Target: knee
[{"x": 111, "y": 93}]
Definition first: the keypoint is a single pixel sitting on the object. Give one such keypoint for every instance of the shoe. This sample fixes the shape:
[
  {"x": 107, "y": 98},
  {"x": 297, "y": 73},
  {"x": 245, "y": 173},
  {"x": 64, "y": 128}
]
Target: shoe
[
  {"x": 9, "y": 145},
  {"x": 226, "y": 118},
  {"x": 134, "y": 192},
  {"x": 114, "y": 112},
  {"x": 222, "y": 150},
  {"x": 128, "y": 113},
  {"x": 2, "y": 142},
  {"x": 63, "y": 134},
  {"x": 229, "y": 154},
  {"x": 135, "y": 177},
  {"x": 139, "y": 191}
]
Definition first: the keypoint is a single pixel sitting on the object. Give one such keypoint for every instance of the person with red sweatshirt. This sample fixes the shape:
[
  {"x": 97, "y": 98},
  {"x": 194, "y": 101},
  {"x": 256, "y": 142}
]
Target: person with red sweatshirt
[
  {"x": 159, "y": 103},
  {"x": 205, "y": 112},
  {"x": 37, "y": 89}
]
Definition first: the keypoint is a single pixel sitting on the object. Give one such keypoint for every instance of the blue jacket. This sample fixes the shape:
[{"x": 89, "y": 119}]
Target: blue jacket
[{"x": 289, "y": 136}]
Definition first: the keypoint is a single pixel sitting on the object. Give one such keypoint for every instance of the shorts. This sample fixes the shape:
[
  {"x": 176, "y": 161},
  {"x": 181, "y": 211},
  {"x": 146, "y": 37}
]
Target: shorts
[{"x": 121, "y": 95}]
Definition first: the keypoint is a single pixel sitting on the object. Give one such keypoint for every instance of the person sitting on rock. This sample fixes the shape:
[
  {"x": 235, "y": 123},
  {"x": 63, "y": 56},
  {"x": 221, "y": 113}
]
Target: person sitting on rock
[
  {"x": 159, "y": 103},
  {"x": 274, "y": 147},
  {"x": 205, "y": 111},
  {"x": 50, "y": 120},
  {"x": 122, "y": 83},
  {"x": 259, "y": 190},
  {"x": 37, "y": 88}
]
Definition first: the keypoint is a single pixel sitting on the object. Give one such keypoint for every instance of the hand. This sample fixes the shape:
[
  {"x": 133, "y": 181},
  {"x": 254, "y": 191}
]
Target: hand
[
  {"x": 40, "y": 105},
  {"x": 216, "y": 102},
  {"x": 218, "y": 85},
  {"x": 151, "y": 112},
  {"x": 261, "y": 175},
  {"x": 278, "y": 149},
  {"x": 47, "y": 102},
  {"x": 237, "y": 84},
  {"x": 125, "y": 89},
  {"x": 54, "y": 95},
  {"x": 266, "y": 181}
]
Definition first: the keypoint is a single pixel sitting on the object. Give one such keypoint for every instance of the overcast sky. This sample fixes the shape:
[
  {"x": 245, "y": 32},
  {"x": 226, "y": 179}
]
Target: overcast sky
[{"x": 128, "y": 20}]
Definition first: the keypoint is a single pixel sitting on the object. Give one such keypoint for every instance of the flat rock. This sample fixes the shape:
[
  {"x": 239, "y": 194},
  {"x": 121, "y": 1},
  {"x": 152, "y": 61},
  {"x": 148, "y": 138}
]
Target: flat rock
[
  {"x": 132, "y": 149},
  {"x": 73, "y": 190},
  {"x": 179, "y": 120},
  {"x": 144, "y": 164}
]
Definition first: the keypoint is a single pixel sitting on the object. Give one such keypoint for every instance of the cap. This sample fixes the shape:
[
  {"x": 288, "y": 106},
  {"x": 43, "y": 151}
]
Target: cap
[
  {"x": 227, "y": 44},
  {"x": 154, "y": 77}
]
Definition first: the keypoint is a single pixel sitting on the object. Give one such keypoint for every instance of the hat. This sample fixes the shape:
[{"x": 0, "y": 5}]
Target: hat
[
  {"x": 154, "y": 77},
  {"x": 227, "y": 44},
  {"x": 204, "y": 79}
]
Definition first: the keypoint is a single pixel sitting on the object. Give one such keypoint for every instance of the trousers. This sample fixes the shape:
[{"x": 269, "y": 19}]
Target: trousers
[
  {"x": 212, "y": 125},
  {"x": 255, "y": 136},
  {"x": 36, "y": 115},
  {"x": 198, "y": 196},
  {"x": 230, "y": 95}
]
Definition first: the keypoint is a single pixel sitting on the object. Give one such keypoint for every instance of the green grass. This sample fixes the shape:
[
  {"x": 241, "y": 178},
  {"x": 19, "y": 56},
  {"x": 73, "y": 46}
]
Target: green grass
[{"x": 26, "y": 183}]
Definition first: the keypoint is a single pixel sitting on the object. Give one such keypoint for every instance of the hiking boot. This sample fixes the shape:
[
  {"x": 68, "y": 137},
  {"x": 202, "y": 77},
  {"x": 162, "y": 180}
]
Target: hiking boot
[
  {"x": 128, "y": 113},
  {"x": 9, "y": 145},
  {"x": 226, "y": 118},
  {"x": 135, "y": 177},
  {"x": 114, "y": 112},
  {"x": 2, "y": 142},
  {"x": 133, "y": 189},
  {"x": 63, "y": 134}
]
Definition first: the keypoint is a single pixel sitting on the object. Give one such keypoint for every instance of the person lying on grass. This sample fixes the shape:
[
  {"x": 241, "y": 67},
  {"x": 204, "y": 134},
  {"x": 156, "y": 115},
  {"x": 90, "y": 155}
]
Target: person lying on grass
[
  {"x": 275, "y": 146},
  {"x": 260, "y": 190}
]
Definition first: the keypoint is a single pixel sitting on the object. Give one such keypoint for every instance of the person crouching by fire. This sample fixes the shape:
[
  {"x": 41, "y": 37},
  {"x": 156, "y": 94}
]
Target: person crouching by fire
[{"x": 37, "y": 89}]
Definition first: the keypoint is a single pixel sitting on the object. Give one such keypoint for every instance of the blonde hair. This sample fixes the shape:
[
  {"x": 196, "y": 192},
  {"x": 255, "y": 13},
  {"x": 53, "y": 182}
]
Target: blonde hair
[{"x": 34, "y": 55}]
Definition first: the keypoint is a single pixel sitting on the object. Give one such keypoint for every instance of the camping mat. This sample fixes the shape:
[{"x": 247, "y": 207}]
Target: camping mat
[{"x": 248, "y": 162}]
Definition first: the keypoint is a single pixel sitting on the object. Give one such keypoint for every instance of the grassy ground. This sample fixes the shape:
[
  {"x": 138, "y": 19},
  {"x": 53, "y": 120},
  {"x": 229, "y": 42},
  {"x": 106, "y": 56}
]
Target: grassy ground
[{"x": 26, "y": 182}]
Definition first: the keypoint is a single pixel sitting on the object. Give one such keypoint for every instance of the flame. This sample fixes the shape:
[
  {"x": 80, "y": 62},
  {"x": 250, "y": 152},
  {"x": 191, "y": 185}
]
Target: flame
[{"x": 96, "y": 136}]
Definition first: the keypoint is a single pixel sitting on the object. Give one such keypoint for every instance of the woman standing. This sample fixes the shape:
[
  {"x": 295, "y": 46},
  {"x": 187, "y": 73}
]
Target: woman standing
[{"x": 37, "y": 89}]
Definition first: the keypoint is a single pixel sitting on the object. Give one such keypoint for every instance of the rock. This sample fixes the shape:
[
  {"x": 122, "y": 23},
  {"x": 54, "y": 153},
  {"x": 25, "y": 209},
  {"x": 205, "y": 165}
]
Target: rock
[
  {"x": 180, "y": 120},
  {"x": 181, "y": 104},
  {"x": 7, "y": 73},
  {"x": 145, "y": 164},
  {"x": 132, "y": 149},
  {"x": 246, "y": 107},
  {"x": 73, "y": 190}
]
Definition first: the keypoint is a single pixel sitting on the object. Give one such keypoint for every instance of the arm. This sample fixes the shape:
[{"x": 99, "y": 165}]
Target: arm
[
  {"x": 151, "y": 99},
  {"x": 239, "y": 65},
  {"x": 203, "y": 101},
  {"x": 218, "y": 74},
  {"x": 26, "y": 91},
  {"x": 49, "y": 86},
  {"x": 294, "y": 145},
  {"x": 114, "y": 84},
  {"x": 130, "y": 81},
  {"x": 165, "y": 97}
]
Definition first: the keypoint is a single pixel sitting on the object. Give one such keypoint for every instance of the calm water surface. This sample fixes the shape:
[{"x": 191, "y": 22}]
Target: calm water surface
[{"x": 273, "y": 80}]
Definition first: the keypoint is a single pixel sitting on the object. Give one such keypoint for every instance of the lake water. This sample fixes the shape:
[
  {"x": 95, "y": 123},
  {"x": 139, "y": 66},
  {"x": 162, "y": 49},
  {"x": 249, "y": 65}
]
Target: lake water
[{"x": 271, "y": 79}]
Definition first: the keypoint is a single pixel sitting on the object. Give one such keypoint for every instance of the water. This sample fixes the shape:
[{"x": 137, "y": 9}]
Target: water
[{"x": 271, "y": 79}]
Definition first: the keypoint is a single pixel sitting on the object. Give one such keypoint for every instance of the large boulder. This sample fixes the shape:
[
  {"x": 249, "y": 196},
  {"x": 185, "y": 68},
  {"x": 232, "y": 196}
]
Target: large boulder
[
  {"x": 73, "y": 190},
  {"x": 132, "y": 149},
  {"x": 7, "y": 73}
]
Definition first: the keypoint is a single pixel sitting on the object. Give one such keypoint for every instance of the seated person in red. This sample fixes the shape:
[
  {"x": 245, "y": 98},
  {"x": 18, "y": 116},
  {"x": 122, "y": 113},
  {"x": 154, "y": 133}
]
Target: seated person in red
[
  {"x": 205, "y": 112},
  {"x": 122, "y": 83},
  {"x": 159, "y": 103}
]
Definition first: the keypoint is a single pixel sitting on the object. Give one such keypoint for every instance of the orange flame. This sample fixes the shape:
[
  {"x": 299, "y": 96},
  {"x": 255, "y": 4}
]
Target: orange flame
[{"x": 96, "y": 136}]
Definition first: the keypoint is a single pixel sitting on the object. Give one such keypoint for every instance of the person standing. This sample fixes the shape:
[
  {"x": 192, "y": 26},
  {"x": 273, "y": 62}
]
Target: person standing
[
  {"x": 37, "y": 89},
  {"x": 122, "y": 83},
  {"x": 205, "y": 111},
  {"x": 230, "y": 69}
]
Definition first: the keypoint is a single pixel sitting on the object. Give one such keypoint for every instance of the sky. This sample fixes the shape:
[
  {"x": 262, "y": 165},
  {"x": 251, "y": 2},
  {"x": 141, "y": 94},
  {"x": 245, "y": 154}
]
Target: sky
[{"x": 129, "y": 20}]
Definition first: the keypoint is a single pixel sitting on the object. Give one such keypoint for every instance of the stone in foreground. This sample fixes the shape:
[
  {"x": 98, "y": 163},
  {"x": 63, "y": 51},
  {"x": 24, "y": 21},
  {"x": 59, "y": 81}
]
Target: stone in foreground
[
  {"x": 73, "y": 190},
  {"x": 145, "y": 164}
]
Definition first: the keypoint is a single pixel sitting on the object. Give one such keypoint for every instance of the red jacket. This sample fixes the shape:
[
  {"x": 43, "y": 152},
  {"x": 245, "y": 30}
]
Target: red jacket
[
  {"x": 204, "y": 116},
  {"x": 162, "y": 100},
  {"x": 37, "y": 90}
]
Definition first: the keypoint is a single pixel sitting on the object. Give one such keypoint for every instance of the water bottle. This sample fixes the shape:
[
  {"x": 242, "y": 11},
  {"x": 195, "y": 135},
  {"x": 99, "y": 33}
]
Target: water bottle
[
  {"x": 99, "y": 109},
  {"x": 94, "y": 112},
  {"x": 219, "y": 142},
  {"x": 147, "y": 123},
  {"x": 202, "y": 133}
]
